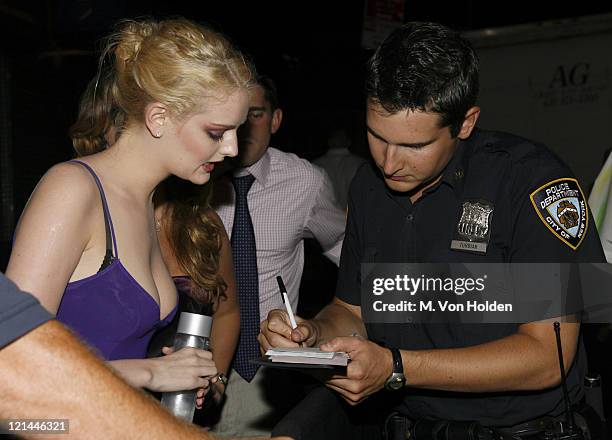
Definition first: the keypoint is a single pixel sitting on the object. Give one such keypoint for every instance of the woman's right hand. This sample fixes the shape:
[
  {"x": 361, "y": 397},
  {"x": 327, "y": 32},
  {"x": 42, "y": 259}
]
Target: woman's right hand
[{"x": 186, "y": 369}]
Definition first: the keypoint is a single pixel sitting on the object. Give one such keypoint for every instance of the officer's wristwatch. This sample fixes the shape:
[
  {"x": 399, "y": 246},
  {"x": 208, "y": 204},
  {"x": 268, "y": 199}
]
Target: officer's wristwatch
[{"x": 397, "y": 379}]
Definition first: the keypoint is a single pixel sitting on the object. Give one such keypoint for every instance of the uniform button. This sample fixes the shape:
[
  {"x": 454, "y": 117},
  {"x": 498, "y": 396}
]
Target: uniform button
[
  {"x": 459, "y": 174},
  {"x": 409, "y": 217}
]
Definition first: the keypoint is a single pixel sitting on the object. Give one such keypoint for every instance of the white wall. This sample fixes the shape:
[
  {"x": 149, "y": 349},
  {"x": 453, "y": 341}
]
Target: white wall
[{"x": 551, "y": 82}]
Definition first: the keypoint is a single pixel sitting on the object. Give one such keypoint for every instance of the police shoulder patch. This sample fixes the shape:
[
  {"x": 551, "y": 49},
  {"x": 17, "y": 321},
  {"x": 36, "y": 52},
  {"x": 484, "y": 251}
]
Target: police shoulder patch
[{"x": 561, "y": 205}]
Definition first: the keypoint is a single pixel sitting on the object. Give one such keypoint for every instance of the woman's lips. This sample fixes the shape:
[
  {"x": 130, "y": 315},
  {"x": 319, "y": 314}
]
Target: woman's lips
[{"x": 208, "y": 167}]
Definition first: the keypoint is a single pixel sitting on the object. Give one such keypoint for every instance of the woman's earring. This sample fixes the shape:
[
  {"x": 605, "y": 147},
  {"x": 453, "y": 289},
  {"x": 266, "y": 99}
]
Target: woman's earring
[{"x": 158, "y": 134}]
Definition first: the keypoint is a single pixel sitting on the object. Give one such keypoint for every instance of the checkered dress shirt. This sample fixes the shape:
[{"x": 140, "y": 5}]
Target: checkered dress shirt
[{"x": 291, "y": 199}]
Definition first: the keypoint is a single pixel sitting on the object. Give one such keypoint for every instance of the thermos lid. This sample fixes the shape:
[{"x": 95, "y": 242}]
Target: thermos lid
[{"x": 194, "y": 324}]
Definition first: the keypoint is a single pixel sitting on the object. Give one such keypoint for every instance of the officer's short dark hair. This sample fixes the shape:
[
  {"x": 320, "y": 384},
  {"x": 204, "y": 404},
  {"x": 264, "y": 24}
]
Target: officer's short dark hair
[
  {"x": 270, "y": 90},
  {"x": 427, "y": 67}
]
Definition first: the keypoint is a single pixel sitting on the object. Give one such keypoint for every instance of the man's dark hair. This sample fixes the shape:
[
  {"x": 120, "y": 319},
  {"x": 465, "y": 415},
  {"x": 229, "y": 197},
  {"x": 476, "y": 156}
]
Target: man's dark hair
[
  {"x": 270, "y": 91},
  {"x": 426, "y": 67}
]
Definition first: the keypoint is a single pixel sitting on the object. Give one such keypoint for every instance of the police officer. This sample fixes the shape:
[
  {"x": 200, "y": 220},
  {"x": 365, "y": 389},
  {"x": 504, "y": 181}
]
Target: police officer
[{"x": 441, "y": 190}]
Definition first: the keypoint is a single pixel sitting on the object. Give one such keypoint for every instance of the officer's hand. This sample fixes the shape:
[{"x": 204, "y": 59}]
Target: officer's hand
[
  {"x": 369, "y": 368},
  {"x": 276, "y": 331}
]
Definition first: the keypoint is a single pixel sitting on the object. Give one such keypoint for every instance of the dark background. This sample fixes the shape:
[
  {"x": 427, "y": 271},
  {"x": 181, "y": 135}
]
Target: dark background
[
  {"x": 311, "y": 48},
  {"x": 48, "y": 52}
]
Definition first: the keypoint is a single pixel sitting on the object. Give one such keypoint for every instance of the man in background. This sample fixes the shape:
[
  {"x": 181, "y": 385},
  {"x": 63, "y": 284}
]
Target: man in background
[
  {"x": 339, "y": 162},
  {"x": 269, "y": 204}
]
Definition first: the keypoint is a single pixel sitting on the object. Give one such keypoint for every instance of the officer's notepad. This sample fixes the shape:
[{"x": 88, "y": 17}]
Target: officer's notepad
[{"x": 308, "y": 355}]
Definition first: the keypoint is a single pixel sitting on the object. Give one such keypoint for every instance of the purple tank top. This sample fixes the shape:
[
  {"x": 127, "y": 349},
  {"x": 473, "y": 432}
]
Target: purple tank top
[{"x": 110, "y": 310}]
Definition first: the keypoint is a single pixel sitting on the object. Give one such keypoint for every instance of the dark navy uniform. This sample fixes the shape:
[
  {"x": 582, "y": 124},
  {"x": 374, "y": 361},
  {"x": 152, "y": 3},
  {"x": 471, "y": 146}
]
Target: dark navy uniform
[{"x": 534, "y": 211}]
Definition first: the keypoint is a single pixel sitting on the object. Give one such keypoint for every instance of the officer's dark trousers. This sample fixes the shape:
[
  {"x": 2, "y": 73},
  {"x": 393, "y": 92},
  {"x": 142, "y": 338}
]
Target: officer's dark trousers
[{"x": 323, "y": 415}]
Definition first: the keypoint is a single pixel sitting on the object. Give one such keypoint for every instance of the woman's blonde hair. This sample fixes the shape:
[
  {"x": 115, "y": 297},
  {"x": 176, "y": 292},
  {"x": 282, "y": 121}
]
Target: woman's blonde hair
[{"x": 176, "y": 62}]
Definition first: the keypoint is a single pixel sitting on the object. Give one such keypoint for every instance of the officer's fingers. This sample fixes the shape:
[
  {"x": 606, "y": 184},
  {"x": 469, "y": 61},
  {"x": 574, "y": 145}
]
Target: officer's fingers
[
  {"x": 334, "y": 377},
  {"x": 356, "y": 370},
  {"x": 348, "y": 396},
  {"x": 353, "y": 386},
  {"x": 347, "y": 344}
]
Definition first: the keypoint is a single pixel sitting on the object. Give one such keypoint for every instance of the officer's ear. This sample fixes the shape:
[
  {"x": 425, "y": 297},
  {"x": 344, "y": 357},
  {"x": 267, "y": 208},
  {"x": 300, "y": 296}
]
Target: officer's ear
[{"x": 469, "y": 122}]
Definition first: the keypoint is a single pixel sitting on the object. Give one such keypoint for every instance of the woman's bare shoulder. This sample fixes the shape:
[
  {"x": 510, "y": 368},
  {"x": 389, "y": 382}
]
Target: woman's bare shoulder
[{"x": 68, "y": 181}]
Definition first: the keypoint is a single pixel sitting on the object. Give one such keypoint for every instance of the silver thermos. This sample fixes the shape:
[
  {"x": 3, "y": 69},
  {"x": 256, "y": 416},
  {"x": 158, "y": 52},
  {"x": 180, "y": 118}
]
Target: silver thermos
[{"x": 193, "y": 331}]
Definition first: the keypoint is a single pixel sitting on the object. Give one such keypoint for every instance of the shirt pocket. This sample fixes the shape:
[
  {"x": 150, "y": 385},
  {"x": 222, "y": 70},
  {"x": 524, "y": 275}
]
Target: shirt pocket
[{"x": 370, "y": 254}]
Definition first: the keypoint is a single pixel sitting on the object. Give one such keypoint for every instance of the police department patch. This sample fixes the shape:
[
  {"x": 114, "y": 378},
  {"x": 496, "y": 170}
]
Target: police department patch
[{"x": 561, "y": 205}]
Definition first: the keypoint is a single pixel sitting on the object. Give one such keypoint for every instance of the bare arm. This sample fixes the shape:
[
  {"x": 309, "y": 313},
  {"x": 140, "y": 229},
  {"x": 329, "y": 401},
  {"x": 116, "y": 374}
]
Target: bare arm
[
  {"x": 526, "y": 360},
  {"x": 226, "y": 322},
  {"x": 79, "y": 388},
  {"x": 52, "y": 234},
  {"x": 185, "y": 369}
]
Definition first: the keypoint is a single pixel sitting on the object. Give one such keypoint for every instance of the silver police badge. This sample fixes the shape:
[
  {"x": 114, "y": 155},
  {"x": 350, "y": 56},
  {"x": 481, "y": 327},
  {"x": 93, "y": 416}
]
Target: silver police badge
[
  {"x": 561, "y": 206},
  {"x": 474, "y": 227}
]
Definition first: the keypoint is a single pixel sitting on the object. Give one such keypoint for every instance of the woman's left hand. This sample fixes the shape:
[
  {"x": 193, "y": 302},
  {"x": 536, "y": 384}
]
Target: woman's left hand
[
  {"x": 215, "y": 388},
  {"x": 218, "y": 389}
]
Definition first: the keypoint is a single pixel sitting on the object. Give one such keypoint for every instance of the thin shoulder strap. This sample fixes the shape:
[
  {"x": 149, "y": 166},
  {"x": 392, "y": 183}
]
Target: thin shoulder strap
[{"x": 108, "y": 222}]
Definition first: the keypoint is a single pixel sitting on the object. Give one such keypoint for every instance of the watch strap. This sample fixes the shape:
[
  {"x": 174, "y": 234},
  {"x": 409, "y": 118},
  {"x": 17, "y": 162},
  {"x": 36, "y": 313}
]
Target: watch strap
[{"x": 398, "y": 366}]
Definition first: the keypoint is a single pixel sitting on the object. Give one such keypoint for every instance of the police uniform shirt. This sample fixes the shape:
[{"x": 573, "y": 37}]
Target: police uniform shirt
[{"x": 508, "y": 176}]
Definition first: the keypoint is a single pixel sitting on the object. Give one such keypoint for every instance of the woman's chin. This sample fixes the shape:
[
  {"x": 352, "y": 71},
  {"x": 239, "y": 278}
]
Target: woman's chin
[{"x": 200, "y": 178}]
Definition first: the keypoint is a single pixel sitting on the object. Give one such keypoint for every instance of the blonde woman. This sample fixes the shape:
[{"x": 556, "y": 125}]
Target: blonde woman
[{"x": 86, "y": 243}]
